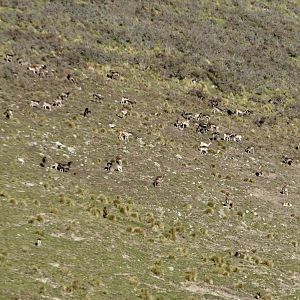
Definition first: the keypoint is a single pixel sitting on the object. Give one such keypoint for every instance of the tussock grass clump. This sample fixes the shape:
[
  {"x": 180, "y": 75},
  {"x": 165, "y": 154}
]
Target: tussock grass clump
[
  {"x": 135, "y": 215},
  {"x": 63, "y": 199},
  {"x": 37, "y": 202},
  {"x": 217, "y": 260},
  {"x": 95, "y": 211},
  {"x": 257, "y": 260},
  {"x": 112, "y": 217},
  {"x": 239, "y": 285},
  {"x": 133, "y": 280},
  {"x": 268, "y": 263},
  {"x": 40, "y": 233},
  {"x": 4, "y": 194},
  {"x": 157, "y": 269},
  {"x": 240, "y": 213},
  {"x": 53, "y": 210},
  {"x": 31, "y": 220},
  {"x": 13, "y": 201},
  {"x": 123, "y": 209},
  {"x": 139, "y": 230},
  {"x": 35, "y": 219},
  {"x": 103, "y": 199},
  {"x": 209, "y": 210},
  {"x": 208, "y": 280},
  {"x": 145, "y": 294},
  {"x": 72, "y": 287},
  {"x": 211, "y": 204},
  {"x": 171, "y": 256},
  {"x": 117, "y": 202},
  {"x": 129, "y": 229},
  {"x": 190, "y": 275},
  {"x": 71, "y": 124}
]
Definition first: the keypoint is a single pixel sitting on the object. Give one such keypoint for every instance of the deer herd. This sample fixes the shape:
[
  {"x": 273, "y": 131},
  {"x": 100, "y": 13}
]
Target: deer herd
[{"x": 202, "y": 123}]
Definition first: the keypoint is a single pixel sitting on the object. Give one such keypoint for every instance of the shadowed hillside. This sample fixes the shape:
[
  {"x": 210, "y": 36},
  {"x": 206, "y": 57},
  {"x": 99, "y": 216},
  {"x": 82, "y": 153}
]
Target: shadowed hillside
[{"x": 149, "y": 150}]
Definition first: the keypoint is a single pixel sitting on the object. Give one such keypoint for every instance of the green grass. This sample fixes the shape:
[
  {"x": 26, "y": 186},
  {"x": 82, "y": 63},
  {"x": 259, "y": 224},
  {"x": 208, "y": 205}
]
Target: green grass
[{"x": 175, "y": 241}]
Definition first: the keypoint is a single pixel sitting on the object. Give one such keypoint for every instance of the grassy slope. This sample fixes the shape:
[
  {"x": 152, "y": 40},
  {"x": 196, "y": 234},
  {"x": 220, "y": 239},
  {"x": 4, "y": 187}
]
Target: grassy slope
[{"x": 156, "y": 234}]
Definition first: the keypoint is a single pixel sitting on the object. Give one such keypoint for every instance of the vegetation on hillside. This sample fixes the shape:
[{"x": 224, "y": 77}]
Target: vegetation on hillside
[{"x": 221, "y": 224}]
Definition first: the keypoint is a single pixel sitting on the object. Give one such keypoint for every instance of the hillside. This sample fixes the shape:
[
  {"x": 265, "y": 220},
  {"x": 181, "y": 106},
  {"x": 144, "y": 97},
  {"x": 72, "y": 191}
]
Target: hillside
[{"x": 78, "y": 79}]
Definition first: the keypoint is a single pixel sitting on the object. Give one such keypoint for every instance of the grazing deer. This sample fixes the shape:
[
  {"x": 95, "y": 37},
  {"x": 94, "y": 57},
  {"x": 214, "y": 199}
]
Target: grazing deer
[
  {"x": 44, "y": 161},
  {"x": 113, "y": 75},
  {"x": 228, "y": 203},
  {"x": 64, "y": 95},
  {"x": 38, "y": 243},
  {"x": 287, "y": 160},
  {"x": 124, "y": 136},
  {"x": 123, "y": 113},
  {"x": 97, "y": 98},
  {"x": 216, "y": 110},
  {"x": 9, "y": 57},
  {"x": 259, "y": 172},
  {"x": 105, "y": 212},
  {"x": 34, "y": 104},
  {"x": 119, "y": 167},
  {"x": 71, "y": 78},
  {"x": 108, "y": 166},
  {"x": 249, "y": 150},
  {"x": 126, "y": 101},
  {"x": 46, "y": 106},
  {"x": 8, "y": 114},
  {"x": 204, "y": 147},
  {"x": 157, "y": 181},
  {"x": 57, "y": 103},
  {"x": 86, "y": 112},
  {"x": 284, "y": 190}
]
